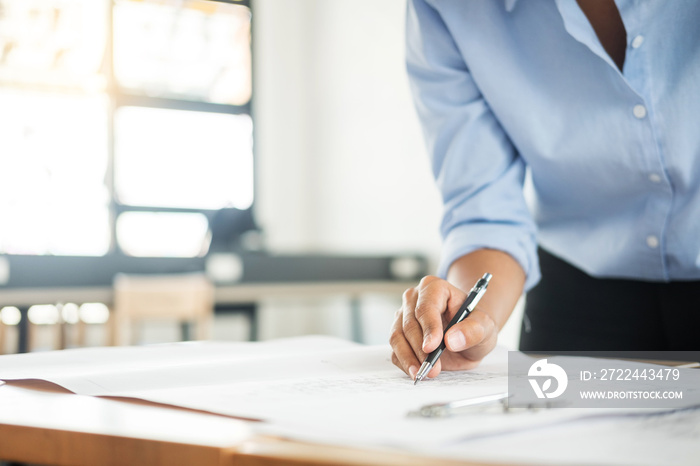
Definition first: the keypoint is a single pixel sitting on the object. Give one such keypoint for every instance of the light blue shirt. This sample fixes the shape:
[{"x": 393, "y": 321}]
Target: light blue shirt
[{"x": 503, "y": 85}]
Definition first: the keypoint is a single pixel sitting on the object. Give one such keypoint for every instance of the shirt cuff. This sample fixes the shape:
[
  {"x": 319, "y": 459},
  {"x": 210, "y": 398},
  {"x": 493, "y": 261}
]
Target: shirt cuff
[{"x": 511, "y": 239}]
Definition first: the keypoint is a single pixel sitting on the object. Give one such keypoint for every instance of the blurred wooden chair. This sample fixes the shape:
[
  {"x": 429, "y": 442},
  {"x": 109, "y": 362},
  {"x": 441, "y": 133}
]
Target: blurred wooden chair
[
  {"x": 45, "y": 324},
  {"x": 186, "y": 298},
  {"x": 2, "y": 336}
]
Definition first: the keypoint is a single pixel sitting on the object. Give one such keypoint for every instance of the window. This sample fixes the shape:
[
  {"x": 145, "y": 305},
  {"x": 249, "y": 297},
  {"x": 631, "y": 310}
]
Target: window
[
  {"x": 197, "y": 50},
  {"x": 201, "y": 160},
  {"x": 121, "y": 122},
  {"x": 53, "y": 162}
]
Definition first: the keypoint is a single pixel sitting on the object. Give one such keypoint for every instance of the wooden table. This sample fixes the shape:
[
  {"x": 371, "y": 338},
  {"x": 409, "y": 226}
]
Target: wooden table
[{"x": 44, "y": 424}]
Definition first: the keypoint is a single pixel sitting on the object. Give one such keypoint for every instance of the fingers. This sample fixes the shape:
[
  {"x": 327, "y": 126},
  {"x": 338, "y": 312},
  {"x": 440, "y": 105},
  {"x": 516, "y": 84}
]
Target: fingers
[
  {"x": 412, "y": 331},
  {"x": 433, "y": 298},
  {"x": 403, "y": 355},
  {"x": 420, "y": 317}
]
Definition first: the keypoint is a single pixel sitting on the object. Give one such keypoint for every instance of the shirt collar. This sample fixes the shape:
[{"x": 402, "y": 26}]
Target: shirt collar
[{"x": 510, "y": 4}]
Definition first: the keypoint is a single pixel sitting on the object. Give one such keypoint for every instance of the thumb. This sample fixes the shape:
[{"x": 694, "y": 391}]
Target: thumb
[{"x": 470, "y": 332}]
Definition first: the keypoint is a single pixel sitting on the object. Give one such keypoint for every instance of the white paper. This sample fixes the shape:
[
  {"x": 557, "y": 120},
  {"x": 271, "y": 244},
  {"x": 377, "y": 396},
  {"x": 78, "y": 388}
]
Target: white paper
[
  {"x": 312, "y": 381},
  {"x": 312, "y": 388},
  {"x": 116, "y": 370},
  {"x": 644, "y": 440}
]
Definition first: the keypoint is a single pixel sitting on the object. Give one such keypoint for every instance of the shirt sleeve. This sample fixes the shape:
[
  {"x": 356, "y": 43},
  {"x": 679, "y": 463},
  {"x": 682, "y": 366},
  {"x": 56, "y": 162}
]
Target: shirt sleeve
[{"x": 477, "y": 169}]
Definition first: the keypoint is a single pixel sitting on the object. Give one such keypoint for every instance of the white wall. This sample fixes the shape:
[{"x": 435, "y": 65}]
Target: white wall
[{"x": 341, "y": 161}]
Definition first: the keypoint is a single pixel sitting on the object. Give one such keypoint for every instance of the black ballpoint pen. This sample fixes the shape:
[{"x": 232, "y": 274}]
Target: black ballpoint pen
[{"x": 467, "y": 307}]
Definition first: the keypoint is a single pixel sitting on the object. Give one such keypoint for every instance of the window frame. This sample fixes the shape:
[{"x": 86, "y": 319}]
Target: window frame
[
  {"x": 120, "y": 97},
  {"x": 115, "y": 258}
]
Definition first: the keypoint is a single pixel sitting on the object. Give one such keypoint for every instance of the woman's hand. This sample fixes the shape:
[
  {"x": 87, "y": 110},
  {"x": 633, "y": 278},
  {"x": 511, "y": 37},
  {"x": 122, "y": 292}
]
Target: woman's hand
[
  {"x": 419, "y": 324},
  {"x": 428, "y": 308}
]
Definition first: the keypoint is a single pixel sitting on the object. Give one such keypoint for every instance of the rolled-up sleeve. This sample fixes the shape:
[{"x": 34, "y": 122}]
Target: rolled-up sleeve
[{"x": 477, "y": 169}]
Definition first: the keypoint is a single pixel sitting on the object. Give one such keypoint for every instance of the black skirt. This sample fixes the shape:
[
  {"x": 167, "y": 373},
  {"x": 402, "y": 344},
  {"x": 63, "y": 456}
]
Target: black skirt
[{"x": 572, "y": 311}]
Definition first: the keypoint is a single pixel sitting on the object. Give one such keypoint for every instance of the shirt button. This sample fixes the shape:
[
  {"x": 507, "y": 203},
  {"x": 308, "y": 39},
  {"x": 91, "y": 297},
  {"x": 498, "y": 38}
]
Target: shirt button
[
  {"x": 639, "y": 111},
  {"x": 654, "y": 178},
  {"x": 637, "y": 42},
  {"x": 652, "y": 241}
]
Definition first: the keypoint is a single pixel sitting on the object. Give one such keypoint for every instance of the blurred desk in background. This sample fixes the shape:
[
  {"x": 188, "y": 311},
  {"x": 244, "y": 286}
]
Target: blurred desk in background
[
  {"x": 251, "y": 279},
  {"x": 243, "y": 294}
]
